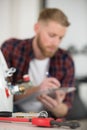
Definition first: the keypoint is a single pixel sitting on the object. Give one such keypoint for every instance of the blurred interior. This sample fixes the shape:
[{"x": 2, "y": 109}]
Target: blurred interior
[{"x": 17, "y": 18}]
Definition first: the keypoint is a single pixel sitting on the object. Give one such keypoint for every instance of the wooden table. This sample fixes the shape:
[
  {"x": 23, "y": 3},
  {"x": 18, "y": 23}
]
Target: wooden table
[{"x": 28, "y": 126}]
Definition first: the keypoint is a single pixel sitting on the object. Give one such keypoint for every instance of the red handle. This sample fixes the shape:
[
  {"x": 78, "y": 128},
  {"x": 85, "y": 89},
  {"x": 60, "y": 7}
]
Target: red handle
[
  {"x": 44, "y": 122},
  {"x": 14, "y": 119}
]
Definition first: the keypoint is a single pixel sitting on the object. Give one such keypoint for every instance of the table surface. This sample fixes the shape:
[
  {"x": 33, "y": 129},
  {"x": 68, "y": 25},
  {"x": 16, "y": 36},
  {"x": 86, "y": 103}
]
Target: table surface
[{"x": 27, "y": 126}]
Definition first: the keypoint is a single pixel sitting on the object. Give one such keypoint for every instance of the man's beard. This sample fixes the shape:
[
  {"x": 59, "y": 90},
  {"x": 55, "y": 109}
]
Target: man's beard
[{"x": 44, "y": 50}]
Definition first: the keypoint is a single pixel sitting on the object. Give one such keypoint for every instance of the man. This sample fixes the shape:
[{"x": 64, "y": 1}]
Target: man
[{"x": 41, "y": 55}]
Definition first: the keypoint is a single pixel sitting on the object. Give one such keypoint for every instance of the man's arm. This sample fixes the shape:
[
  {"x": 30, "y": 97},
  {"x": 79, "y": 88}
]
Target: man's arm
[
  {"x": 7, "y": 50},
  {"x": 26, "y": 93},
  {"x": 46, "y": 84},
  {"x": 69, "y": 79}
]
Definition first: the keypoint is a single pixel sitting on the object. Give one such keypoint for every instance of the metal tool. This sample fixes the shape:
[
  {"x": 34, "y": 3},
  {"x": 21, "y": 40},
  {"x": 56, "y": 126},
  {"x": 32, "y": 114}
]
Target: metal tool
[{"x": 10, "y": 72}]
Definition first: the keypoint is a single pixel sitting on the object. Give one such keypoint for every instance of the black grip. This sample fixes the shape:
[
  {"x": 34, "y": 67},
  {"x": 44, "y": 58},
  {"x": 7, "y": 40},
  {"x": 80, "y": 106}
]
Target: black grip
[
  {"x": 5, "y": 114},
  {"x": 71, "y": 124}
]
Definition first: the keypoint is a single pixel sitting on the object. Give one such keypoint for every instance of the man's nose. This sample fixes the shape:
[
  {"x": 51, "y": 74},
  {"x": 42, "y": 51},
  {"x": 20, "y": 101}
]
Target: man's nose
[{"x": 55, "y": 41}]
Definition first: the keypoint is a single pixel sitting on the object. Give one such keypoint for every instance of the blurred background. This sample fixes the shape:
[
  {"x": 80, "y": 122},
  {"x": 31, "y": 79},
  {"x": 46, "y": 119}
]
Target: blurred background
[{"x": 17, "y": 18}]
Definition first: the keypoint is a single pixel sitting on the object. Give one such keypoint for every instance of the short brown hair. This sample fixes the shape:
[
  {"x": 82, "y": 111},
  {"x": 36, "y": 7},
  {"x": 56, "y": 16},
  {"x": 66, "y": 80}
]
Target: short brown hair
[{"x": 54, "y": 14}]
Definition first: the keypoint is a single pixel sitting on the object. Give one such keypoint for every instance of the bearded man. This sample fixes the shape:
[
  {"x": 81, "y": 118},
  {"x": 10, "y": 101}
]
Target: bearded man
[{"x": 39, "y": 56}]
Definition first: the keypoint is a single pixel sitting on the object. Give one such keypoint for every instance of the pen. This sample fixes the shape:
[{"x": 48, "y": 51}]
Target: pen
[
  {"x": 65, "y": 89},
  {"x": 47, "y": 74}
]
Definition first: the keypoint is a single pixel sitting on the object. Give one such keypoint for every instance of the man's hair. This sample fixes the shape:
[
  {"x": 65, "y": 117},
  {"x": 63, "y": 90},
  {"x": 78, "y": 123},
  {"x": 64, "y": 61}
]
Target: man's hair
[{"x": 54, "y": 14}]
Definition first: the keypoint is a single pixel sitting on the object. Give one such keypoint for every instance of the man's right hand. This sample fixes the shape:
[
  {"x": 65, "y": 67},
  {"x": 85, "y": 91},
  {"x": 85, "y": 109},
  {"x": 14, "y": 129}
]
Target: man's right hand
[{"x": 49, "y": 83}]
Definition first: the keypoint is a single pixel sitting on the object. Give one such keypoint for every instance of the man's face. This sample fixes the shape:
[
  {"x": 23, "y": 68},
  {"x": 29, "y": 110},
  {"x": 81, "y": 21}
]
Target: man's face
[{"x": 49, "y": 37}]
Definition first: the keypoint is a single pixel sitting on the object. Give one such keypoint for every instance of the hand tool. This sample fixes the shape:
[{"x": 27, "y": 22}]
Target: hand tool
[{"x": 42, "y": 122}]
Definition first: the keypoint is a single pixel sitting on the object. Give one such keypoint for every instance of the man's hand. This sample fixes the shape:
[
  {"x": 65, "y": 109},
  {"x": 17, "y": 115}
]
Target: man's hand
[
  {"x": 49, "y": 83},
  {"x": 55, "y": 105}
]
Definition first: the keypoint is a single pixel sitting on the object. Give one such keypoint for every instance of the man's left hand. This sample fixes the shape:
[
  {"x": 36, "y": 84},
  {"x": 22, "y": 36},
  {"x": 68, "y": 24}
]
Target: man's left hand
[{"x": 55, "y": 105}]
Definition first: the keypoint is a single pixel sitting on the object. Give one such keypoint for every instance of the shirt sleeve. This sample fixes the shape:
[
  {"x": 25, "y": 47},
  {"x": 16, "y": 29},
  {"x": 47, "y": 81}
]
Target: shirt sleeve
[
  {"x": 6, "y": 48},
  {"x": 69, "y": 79}
]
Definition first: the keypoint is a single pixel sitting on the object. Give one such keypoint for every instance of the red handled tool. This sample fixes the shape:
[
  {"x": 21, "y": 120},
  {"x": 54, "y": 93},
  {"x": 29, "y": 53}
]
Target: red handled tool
[
  {"x": 50, "y": 122},
  {"x": 43, "y": 122}
]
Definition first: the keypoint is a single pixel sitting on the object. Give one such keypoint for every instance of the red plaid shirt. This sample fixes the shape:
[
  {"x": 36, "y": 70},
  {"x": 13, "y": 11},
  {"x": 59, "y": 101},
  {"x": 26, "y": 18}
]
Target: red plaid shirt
[{"x": 18, "y": 54}]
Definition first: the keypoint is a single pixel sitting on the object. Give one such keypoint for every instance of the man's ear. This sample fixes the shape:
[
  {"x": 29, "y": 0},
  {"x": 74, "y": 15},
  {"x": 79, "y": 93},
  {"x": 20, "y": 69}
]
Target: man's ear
[{"x": 36, "y": 27}]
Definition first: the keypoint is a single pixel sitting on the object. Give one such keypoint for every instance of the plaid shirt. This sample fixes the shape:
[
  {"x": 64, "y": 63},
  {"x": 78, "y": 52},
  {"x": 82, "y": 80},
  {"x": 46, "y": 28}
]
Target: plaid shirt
[{"x": 18, "y": 54}]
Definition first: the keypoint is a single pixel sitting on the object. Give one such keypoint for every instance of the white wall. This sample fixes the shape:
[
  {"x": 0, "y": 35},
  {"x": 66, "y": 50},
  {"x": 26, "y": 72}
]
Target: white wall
[
  {"x": 4, "y": 20},
  {"x": 17, "y": 18}
]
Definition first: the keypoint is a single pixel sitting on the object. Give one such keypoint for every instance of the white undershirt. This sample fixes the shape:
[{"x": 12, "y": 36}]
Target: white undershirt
[{"x": 38, "y": 70}]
